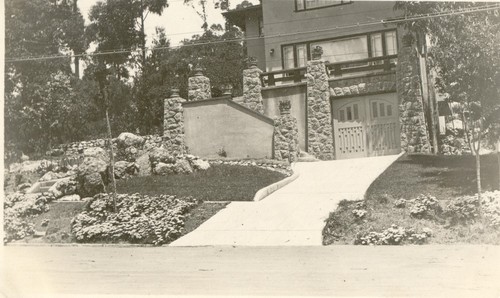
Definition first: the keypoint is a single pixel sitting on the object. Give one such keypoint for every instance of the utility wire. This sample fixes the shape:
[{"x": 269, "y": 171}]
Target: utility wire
[{"x": 372, "y": 23}]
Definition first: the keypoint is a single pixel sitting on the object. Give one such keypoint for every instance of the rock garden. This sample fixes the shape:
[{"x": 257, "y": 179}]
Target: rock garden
[{"x": 67, "y": 197}]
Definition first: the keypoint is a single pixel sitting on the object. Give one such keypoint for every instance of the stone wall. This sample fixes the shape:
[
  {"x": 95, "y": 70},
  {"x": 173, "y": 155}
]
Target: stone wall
[
  {"x": 173, "y": 124},
  {"x": 199, "y": 87},
  {"x": 414, "y": 134},
  {"x": 75, "y": 148},
  {"x": 252, "y": 86},
  {"x": 319, "y": 118},
  {"x": 378, "y": 83},
  {"x": 286, "y": 138}
]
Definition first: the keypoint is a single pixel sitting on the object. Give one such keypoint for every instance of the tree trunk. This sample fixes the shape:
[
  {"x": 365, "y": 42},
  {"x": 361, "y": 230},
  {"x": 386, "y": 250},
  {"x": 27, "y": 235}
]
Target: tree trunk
[
  {"x": 143, "y": 39},
  {"x": 77, "y": 66},
  {"x": 111, "y": 159}
]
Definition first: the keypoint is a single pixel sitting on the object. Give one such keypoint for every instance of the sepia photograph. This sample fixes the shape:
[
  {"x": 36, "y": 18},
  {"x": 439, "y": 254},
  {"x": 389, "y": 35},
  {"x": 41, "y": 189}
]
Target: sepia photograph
[{"x": 224, "y": 148}]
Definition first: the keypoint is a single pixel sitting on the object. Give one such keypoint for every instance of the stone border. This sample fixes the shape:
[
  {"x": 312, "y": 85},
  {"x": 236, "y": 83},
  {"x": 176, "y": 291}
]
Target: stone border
[{"x": 266, "y": 191}]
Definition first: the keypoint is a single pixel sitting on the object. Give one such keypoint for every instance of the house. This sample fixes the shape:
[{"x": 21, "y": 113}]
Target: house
[{"x": 366, "y": 95}]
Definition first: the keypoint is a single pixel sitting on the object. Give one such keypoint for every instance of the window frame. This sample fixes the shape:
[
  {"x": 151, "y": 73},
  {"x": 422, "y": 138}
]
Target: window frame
[
  {"x": 342, "y": 2},
  {"x": 366, "y": 34}
]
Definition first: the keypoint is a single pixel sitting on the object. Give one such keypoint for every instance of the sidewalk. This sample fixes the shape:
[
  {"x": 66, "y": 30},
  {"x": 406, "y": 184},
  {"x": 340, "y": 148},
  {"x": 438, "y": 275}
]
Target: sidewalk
[{"x": 294, "y": 215}]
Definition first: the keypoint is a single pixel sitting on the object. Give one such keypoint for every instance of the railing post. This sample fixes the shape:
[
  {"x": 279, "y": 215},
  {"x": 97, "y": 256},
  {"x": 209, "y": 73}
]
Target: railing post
[{"x": 270, "y": 80}]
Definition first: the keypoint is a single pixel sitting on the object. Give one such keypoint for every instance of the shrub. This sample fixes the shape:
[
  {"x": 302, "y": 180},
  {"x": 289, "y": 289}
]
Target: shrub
[
  {"x": 491, "y": 207},
  {"x": 468, "y": 209},
  {"x": 425, "y": 206},
  {"x": 400, "y": 203},
  {"x": 18, "y": 208},
  {"x": 359, "y": 213},
  {"x": 394, "y": 235},
  {"x": 139, "y": 219}
]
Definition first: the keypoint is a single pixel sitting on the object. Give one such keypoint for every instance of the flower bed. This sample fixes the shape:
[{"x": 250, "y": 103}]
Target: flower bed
[{"x": 139, "y": 219}]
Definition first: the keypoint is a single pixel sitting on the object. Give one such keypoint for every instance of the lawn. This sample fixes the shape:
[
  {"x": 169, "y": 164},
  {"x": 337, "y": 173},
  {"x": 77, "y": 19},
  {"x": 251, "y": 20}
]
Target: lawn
[
  {"x": 444, "y": 177},
  {"x": 218, "y": 183}
]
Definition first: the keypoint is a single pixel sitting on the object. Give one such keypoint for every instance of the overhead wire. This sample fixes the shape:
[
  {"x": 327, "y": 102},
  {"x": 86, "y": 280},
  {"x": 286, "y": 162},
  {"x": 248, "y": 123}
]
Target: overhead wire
[{"x": 353, "y": 25}]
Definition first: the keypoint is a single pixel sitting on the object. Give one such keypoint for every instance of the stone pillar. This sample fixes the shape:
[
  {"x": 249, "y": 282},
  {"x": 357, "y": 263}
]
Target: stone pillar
[
  {"x": 173, "y": 123},
  {"x": 252, "y": 87},
  {"x": 414, "y": 134},
  {"x": 286, "y": 135},
  {"x": 319, "y": 116},
  {"x": 199, "y": 86}
]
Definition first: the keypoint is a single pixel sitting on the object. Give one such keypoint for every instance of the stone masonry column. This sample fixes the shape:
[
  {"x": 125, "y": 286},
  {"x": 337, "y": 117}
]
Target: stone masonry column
[
  {"x": 252, "y": 87},
  {"x": 319, "y": 118},
  {"x": 286, "y": 134},
  {"x": 173, "y": 123},
  {"x": 414, "y": 134},
  {"x": 199, "y": 86}
]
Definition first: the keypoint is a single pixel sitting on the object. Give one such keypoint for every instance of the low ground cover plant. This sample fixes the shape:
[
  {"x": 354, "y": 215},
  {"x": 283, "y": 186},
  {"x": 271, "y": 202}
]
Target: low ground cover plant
[
  {"x": 19, "y": 208},
  {"x": 139, "y": 219},
  {"x": 418, "y": 194}
]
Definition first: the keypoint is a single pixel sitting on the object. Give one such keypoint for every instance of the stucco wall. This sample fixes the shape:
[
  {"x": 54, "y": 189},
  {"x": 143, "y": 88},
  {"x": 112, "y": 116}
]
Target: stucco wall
[
  {"x": 280, "y": 17},
  {"x": 255, "y": 47},
  {"x": 297, "y": 97},
  {"x": 213, "y": 125}
]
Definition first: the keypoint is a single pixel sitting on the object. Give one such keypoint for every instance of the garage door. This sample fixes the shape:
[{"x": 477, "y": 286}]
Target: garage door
[{"x": 366, "y": 126}]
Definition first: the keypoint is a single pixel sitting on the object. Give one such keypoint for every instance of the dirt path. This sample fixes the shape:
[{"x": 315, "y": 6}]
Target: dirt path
[{"x": 451, "y": 271}]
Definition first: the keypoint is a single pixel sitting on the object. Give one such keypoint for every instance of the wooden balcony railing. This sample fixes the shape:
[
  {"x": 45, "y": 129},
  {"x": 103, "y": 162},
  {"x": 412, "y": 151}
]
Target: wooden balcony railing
[{"x": 297, "y": 75}]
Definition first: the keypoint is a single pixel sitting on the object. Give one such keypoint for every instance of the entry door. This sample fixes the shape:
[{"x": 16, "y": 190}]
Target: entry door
[{"x": 366, "y": 126}]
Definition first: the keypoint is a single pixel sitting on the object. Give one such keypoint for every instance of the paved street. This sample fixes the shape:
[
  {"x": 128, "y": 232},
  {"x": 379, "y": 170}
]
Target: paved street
[
  {"x": 295, "y": 214},
  {"x": 451, "y": 271}
]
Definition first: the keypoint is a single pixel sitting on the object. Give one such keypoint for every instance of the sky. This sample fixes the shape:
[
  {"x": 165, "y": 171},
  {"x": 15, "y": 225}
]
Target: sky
[{"x": 179, "y": 20}]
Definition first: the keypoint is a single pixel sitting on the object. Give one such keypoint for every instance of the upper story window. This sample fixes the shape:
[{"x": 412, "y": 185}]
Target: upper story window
[
  {"x": 358, "y": 47},
  {"x": 312, "y": 4}
]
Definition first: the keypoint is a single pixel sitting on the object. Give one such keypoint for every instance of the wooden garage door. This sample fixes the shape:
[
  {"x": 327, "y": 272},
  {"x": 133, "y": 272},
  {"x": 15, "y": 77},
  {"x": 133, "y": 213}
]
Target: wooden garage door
[{"x": 366, "y": 126}]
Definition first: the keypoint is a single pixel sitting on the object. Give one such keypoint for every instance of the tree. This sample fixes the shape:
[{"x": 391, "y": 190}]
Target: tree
[
  {"x": 36, "y": 90},
  {"x": 466, "y": 55}
]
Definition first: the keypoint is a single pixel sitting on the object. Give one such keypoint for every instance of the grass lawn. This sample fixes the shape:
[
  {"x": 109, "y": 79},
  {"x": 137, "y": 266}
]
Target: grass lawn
[
  {"x": 445, "y": 177},
  {"x": 218, "y": 183}
]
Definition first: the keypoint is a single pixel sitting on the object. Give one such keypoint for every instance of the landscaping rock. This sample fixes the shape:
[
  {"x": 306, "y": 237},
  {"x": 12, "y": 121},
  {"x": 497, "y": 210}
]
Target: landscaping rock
[
  {"x": 143, "y": 165},
  {"x": 63, "y": 187},
  {"x": 97, "y": 152},
  {"x": 91, "y": 184},
  {"x": 164, "y": 169},
  {"x": 23, "y": 187},
  {"x": 91, "y": 175},
  {"x": 124, "y": 169},
  {"x": 70, "y": 198},
  {"x": 182, "y": 166},
  {"x": 49, "y": 176},
  {"x": 161, "y": 155},
  {"x": 127, "y": 139},
  {"x": 200, "y": 164}
]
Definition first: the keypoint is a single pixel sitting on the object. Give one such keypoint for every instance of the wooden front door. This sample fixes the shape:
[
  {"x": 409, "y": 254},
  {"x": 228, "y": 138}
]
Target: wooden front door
[{"x": 366, "y": 126}]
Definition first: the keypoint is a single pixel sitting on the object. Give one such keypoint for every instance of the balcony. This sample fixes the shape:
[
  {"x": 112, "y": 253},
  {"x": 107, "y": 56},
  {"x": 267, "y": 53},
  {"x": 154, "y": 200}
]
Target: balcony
[{"x": 335, "y": 70}]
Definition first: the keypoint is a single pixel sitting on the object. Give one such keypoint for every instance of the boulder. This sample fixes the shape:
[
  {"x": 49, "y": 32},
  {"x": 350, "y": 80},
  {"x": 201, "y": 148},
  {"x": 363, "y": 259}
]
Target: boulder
[
  {"x": 63, "y": 187},
  {"x": 91, "y": 176},
  {"x": 124, "y": 169},
  {"x": 91, "y": 185},
  {"x": 164, "y": 169},
  {"x": 49, "y": 176},
  {"x": 143, "y": 165},
  {"x": 200, "y": 164},
  {"x": 23, "y": 187},
  {"x": 127, "y": 139},
  {"x": 182, "y": 166},
  {"x": 96, "y": 152},
  {"x": 161, "y": 155},
  {"x": 70, "y": 198}
]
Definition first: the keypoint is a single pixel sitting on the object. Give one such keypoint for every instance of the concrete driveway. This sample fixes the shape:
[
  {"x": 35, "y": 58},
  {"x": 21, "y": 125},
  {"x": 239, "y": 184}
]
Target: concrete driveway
[{"x": 294, "y": 215}]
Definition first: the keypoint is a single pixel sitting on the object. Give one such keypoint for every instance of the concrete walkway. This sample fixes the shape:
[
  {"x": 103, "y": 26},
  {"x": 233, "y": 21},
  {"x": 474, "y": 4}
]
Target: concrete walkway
[{"x": 294, "y": 215}]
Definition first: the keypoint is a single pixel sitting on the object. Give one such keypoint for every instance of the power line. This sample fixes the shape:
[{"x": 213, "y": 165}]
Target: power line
[{"x": 372, "y": 23}]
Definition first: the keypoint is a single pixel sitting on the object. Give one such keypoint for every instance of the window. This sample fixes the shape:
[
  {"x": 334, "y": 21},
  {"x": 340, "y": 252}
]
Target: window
[
  {"x": 312, "y": 4},
  {"x": 376, "y": 44},
  {"x": 391, "y": 43},
  {"x": 261, "y": 27}
]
